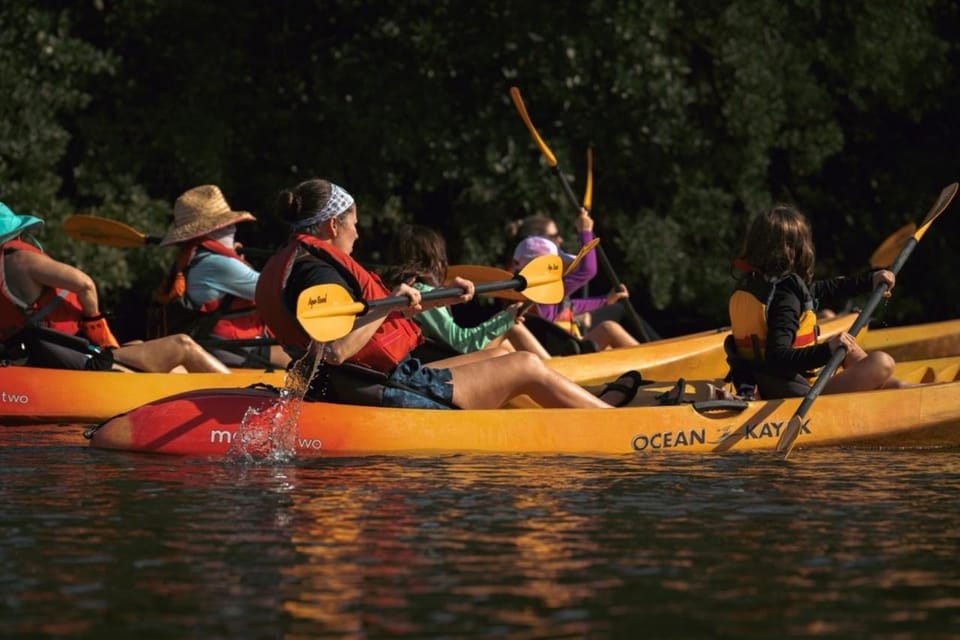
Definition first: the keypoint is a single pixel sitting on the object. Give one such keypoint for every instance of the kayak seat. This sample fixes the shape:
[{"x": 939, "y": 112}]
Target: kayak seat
[
  {"x": 432, "y": 350},
  {"x": 350, "y": 383},
  {"x": 556, "y": 340},
  {"x": 741, "y": 373}
]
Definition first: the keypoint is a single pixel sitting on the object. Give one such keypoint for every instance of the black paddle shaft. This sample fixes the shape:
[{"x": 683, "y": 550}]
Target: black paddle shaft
[
  {"x": 605, "y": 264},
  {"x": 837, "y": 358},
  {"x": 518, "y": 283}
]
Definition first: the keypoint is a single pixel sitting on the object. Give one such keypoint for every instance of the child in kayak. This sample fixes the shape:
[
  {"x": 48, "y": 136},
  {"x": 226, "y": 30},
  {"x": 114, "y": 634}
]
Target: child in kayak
[
  {"x": 209, "y": 290},
  {"x": 608, "y": 334},
  {"x": 773, "y": 314},
  {"x": 323, "y": 218},
  {"x": 50, "y": 316},
  {"x": 420, "y": 256}
]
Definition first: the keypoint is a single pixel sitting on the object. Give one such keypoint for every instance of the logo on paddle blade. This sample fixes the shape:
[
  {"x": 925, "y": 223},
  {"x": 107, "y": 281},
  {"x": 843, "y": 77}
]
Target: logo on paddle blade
[{"x": 314, "y": 301}]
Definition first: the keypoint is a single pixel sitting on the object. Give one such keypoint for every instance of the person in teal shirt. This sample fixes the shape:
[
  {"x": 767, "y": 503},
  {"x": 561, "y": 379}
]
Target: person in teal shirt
[{"x": 420, "y": 258}]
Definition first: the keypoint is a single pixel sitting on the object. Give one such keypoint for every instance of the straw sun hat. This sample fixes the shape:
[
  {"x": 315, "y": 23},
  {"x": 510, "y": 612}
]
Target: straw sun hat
[
  {"x": 13, "y": 224},
  {"x": 200, "y": 211}
]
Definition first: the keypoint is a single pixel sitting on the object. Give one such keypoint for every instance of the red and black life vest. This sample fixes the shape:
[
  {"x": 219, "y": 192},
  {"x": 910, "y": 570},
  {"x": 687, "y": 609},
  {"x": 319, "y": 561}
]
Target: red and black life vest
[
  {"x": 237, "y": 318},
  {"x": 56, "y": 309},
  {"x": 394, "y": 339}
]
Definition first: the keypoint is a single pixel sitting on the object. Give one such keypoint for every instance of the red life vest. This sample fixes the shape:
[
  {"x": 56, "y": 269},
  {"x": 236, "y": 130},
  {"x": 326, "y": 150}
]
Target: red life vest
[
  {"x": 56, "y": 309},
  {"x": 241, "y": 319},
  {"x": 394, "y": 339}
]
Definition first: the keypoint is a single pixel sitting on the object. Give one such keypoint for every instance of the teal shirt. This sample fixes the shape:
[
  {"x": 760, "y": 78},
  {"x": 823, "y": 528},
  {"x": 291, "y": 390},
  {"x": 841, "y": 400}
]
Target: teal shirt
[{"x": 438, "y": 324}]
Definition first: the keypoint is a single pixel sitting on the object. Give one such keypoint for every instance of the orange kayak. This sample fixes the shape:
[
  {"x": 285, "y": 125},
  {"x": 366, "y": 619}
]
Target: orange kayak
[
  {"x": 209, "y": 422},
  {"x": 31, "y": 395}
]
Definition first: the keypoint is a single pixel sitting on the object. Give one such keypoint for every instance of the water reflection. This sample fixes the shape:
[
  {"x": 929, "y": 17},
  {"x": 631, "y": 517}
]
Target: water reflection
[{"x": 834, "y": 543}]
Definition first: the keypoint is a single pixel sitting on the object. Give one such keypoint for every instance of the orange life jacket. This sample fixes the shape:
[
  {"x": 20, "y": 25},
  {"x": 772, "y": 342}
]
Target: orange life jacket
[
  {"x": 56, "y": 309},
  {"x": 394, "y": 339},
  {"x": 239, "y": 319},
  {"x": 748, "y": 316}
]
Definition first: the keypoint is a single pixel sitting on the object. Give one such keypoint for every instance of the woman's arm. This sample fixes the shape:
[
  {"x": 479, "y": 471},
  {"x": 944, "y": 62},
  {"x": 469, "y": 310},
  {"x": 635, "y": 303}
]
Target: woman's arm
[
  {"x": 38, "y": 270},
  {"x": 215, "y": 276},
  {"x": 783, "y": 322}
]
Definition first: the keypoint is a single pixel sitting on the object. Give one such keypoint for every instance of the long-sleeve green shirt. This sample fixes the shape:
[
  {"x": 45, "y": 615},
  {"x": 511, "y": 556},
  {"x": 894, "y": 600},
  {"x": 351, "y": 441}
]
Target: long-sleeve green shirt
[{"x": 438, "y": 324}]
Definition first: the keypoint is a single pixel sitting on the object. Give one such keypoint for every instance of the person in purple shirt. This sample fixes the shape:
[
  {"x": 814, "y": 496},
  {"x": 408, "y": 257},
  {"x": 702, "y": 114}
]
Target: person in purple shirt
[{"x": 608, "y": 334}]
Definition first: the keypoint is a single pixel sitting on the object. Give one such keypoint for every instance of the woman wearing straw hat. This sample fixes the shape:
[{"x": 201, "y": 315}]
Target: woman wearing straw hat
[
  {"x": 50, "y": 315},
  {"x": 210, "y": 285}
]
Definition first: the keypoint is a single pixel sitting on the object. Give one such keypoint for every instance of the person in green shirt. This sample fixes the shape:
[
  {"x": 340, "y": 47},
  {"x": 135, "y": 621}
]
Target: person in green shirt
[{"x": 420, "y": 258}]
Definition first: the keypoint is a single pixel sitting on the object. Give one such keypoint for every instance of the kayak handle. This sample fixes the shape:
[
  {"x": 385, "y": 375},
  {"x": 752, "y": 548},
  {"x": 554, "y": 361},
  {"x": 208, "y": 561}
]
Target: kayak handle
[{"x": 707, "y": 406}]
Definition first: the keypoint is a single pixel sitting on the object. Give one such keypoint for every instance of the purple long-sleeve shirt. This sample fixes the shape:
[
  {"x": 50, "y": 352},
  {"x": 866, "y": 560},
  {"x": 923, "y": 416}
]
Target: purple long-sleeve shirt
[{"x": 574, "y": 281}]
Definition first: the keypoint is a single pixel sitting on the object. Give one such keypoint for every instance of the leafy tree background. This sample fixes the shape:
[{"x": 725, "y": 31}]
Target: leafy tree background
[{"x": 699, "y": 115}]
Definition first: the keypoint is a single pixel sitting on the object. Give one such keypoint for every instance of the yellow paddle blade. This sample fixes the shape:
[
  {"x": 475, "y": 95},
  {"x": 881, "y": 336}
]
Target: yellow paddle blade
[
  {"x": 544, "y": 276},
  {"x": 584, "y": 250},
  {"x": 522, "y": 110},
  {"x": 944, "y": 199},
  {"x": 97, "y": 230},
  {"x": 890, "y": 248},
  {"x": 588, "y": 190},
  {"x": 479, "y": 274},
  {"x": 327, "y": 311}
]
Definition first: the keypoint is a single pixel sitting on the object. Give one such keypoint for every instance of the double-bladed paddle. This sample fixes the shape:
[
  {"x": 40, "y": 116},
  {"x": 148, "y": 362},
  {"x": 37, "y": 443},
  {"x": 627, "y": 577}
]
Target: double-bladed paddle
[
  {"x": 328, "y": 311},
  {"x": 551, "y": 159},
  {"x": 588, "y": 189},
  {"x": 789, "y": 436},
  {"x": 890, "y": 248},
  {"x": 113, "y": 233},
  {"x": 480, "y": 273}
]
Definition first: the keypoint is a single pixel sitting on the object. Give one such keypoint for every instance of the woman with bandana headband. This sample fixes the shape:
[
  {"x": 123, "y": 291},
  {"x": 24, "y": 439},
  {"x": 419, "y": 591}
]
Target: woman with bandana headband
[{"x": 323, "y": 219}]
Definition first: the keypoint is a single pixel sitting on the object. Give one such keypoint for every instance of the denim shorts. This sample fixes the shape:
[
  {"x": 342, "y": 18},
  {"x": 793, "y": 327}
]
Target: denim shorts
[{"x": 428, "y": 388}]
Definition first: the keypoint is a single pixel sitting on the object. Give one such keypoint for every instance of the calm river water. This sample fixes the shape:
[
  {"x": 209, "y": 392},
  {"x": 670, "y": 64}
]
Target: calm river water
[{"x": 836, "y": 544}]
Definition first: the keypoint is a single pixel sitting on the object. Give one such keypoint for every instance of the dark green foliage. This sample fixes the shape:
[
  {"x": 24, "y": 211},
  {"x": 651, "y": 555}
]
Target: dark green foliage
[{"x": 699, "y": 114}]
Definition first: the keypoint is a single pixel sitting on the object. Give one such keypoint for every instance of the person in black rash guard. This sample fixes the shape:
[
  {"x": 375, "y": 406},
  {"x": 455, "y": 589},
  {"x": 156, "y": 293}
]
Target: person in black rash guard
[
  {"x": 323, "y": 219},
  {"x": 773, "y": 312}
]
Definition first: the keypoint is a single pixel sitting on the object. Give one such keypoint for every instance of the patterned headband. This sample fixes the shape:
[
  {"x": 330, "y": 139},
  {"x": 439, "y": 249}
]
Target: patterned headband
[{"x": 340, "y": 201}]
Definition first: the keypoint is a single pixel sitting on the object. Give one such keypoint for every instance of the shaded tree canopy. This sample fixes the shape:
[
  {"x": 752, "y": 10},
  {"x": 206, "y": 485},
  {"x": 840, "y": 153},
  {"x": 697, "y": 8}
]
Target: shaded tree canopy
[{"x": 698, "y": 114}]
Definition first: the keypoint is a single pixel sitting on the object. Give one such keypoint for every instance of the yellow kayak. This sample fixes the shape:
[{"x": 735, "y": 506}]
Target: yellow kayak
[
  {"x": 698, "y": 355},
  {"x": 916, "y": 341},
  {"x": 701, "y": 355}
]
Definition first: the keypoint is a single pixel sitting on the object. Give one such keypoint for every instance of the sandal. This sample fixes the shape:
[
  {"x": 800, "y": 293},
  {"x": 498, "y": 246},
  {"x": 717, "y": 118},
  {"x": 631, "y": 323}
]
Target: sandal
[{"x": 628, "y": 384}]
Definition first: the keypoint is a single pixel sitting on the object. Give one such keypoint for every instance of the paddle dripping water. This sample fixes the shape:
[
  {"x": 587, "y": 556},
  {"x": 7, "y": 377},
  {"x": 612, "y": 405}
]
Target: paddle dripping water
[{"x": 269, "y": 435}]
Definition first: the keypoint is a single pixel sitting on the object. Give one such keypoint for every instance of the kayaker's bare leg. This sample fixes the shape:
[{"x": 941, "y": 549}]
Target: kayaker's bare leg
[
  {"x": 467, "y": 358},
  {"x": 279, "y": 357},
  {"x": 523, "y": 339},
  {"x": 611, "y": 335},
  {"x": 519, "y": 338},
  {"x": 490, "y": 383},
  {"x": 501, "y": 343},
  {"x": 164, "y": 354},
  {"x": 871, "y": 372}
]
